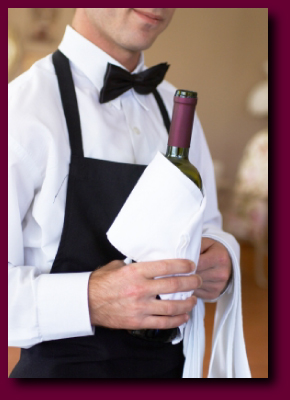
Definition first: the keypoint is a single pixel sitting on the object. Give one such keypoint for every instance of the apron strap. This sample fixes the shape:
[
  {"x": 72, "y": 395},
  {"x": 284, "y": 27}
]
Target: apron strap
[
  {"x": 163, "y": 110},
  {"x": 69, "y": 102},
  {"x": 70, "y": 105}
]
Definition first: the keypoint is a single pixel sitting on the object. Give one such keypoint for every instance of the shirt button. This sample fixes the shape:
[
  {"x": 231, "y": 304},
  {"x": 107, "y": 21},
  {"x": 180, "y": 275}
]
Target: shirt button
[{"x": 136, "y": 130}]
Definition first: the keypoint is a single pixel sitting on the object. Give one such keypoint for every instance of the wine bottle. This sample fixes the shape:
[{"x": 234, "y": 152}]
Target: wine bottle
[
  {"x": 177, "y": 152},
  {"x": 180, "y": 134}
]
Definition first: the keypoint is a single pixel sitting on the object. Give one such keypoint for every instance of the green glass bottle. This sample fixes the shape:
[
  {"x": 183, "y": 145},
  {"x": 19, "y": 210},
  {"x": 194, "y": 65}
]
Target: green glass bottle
[
  {"x": 177, "y": 152},
  {"x": 180, "y": 134}
]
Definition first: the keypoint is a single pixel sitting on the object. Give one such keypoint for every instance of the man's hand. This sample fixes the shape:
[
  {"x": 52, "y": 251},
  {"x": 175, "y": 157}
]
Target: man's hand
[
  {"x": 214, "y": 267},
  {"x": 124, "y": 296}
]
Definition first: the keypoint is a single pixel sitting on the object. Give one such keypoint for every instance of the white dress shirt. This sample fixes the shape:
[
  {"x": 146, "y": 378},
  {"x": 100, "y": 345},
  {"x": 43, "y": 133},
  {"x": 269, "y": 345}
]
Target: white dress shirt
[{"x": 129, "y": 129}]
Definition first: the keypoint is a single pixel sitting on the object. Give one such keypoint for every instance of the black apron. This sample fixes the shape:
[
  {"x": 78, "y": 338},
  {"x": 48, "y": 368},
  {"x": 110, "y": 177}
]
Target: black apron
[{"x": 96, "y": 192}]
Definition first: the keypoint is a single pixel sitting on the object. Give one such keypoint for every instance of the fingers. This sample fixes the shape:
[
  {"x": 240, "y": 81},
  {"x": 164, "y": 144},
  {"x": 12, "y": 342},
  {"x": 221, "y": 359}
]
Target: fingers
[
  {"x": 213, "y": 254},
  {"x": 170, "y": 284},
  {"x": 156, "y": 322},
  {"x": 209, "y": 293},
  {"x": 171, "y": 307},
  {"x": 205, "y": 244},
  {"x": 206, "y": 261},
  {"x": 121, "y": 297},
  {"x": 214, "y": 282},
  {"x": 215, "y": 268},
  {"x": 175, "y": 284},
  {"x": 214, "y": 275},
  {"x": 203, "y": 263},
  {"x": 166, "y": 267}
]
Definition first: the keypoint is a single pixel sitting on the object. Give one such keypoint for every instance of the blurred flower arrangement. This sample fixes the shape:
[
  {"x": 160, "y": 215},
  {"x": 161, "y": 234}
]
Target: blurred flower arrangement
[
  {"x": 250, "y": 202},
  {"x": 248, "y": 218}
]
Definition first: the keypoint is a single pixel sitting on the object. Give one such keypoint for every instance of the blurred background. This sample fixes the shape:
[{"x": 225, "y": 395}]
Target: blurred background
[{"x": 222, "y": 53}]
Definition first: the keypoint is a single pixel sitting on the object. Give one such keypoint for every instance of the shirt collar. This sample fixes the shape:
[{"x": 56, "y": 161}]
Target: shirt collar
[{"x": 92, "y": 61}]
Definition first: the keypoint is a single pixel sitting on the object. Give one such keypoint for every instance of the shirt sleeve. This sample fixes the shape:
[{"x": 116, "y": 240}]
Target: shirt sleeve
[{"x": 41, "y": 306}]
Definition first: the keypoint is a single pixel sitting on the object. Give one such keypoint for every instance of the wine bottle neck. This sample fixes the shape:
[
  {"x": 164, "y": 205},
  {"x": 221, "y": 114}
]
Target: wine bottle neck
[
  {"x": 177, "y": 152},
  {"x": 182, "y": 122}
]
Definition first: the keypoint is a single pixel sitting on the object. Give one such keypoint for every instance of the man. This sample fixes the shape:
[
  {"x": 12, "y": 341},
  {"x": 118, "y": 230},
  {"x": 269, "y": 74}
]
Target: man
[{"x": 70, "y": 317}]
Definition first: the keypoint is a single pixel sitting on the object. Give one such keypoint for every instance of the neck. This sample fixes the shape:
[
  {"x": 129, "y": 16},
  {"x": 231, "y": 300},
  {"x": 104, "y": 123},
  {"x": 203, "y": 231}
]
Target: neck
[
  {"x": 129, "y": 59},
  {"x": 177, "y": 152}
]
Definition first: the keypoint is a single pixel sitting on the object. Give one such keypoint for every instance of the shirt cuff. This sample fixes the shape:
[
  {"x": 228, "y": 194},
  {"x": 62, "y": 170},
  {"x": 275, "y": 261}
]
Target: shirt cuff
[{"x": 62, "y": 301}]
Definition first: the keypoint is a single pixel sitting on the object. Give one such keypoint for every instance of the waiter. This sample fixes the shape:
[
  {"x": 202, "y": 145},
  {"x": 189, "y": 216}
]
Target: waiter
[{"x": 76, "y": 149}]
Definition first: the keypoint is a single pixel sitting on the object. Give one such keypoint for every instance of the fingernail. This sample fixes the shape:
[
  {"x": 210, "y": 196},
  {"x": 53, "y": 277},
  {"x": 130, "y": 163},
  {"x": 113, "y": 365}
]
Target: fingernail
[
  {"x": 193, "y": 266},
  {"x": 200, "y": 281}
]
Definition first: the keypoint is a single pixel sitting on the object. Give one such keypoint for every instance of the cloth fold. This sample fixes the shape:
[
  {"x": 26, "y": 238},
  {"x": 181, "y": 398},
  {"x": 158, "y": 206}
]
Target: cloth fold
[{"x": 163, "y": 219}]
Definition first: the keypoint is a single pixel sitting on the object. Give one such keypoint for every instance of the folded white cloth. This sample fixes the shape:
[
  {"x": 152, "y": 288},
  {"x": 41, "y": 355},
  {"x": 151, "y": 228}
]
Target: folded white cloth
[
  {"x": 163, "y": 219},
  {"x": 155, "y": 221},
  {"x": 228, "y": 354}
]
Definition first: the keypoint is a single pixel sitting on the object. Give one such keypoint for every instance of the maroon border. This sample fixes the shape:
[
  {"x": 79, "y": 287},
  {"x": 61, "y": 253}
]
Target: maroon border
[{"x": 276, "y": 384}]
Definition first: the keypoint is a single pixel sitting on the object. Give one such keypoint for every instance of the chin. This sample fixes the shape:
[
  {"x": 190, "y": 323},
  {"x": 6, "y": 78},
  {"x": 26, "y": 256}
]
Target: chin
[{"x": 142, "y": 43}]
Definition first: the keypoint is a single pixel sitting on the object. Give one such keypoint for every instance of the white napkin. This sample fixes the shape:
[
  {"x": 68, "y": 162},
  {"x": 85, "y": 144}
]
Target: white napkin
[
  {"x": 228, "y": 355},
  {"x": 158, "y": 218},
  {"x": 163, "y": 219}
]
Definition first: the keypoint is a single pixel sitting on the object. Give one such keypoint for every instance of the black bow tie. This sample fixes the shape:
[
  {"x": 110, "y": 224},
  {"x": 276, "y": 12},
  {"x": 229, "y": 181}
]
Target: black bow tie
[{"x": 117, "y": 81}]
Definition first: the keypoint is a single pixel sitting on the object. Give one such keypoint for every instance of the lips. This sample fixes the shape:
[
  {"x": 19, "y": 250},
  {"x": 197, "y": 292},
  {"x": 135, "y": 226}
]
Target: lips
[{"x": 153, "y": 18}]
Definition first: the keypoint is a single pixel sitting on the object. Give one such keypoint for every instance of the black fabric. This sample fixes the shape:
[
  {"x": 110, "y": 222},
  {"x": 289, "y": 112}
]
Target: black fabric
[
  {"x": 44, "y": 366},
  {"x": 163, "y": 110},
  {"x": 97, "y": 190},
  {"x": 117, "y": 81},
  {"x": 69, "y": 101}
]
